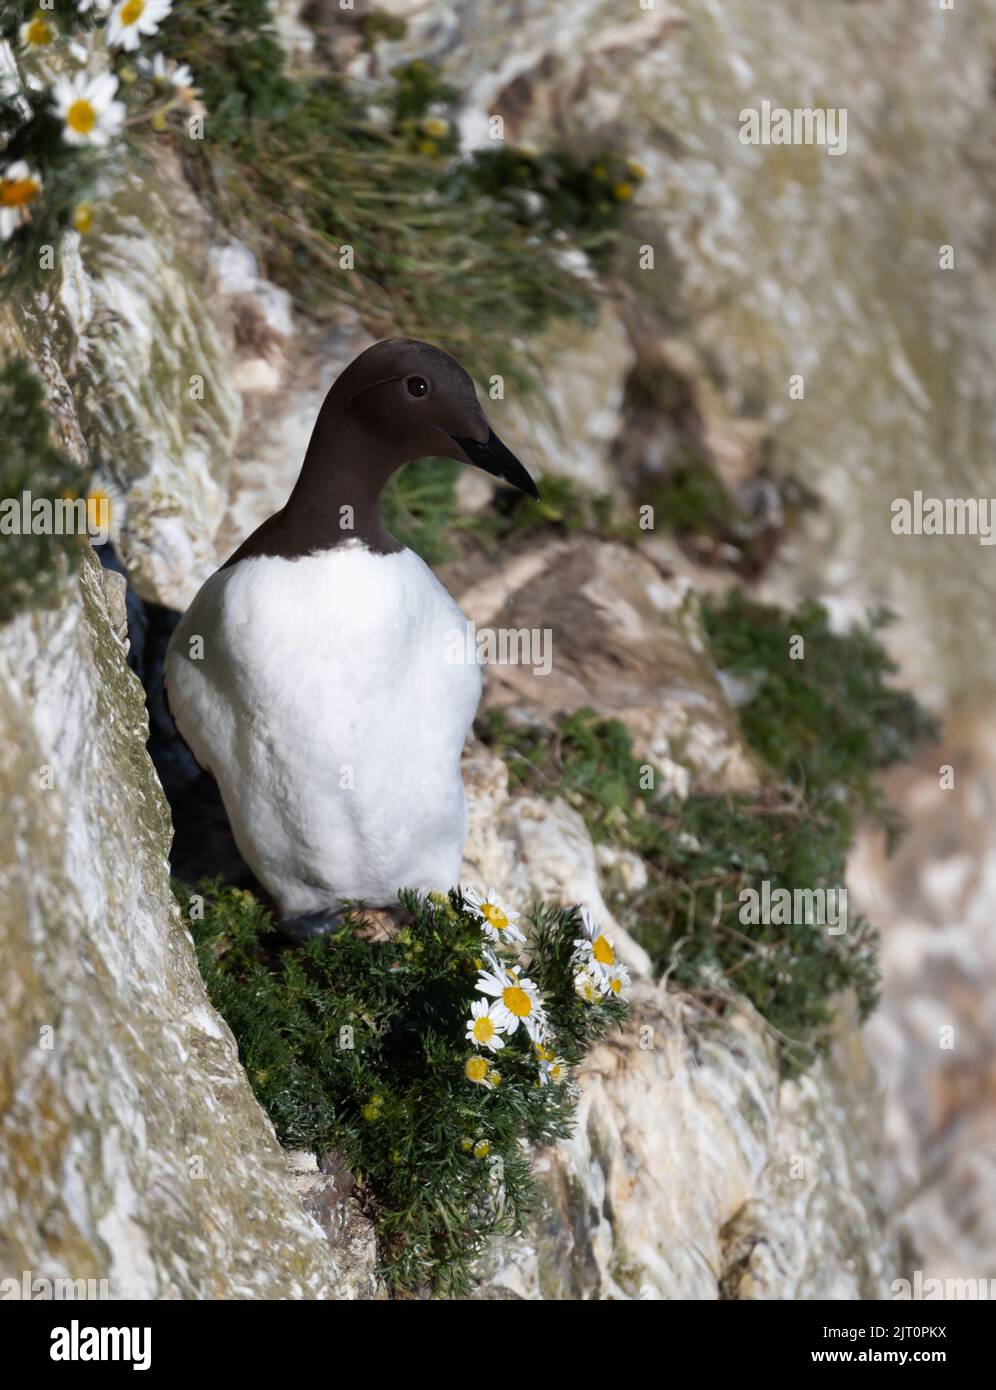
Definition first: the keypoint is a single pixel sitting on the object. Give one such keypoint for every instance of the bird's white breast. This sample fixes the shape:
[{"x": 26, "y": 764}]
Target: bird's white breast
[{"x": 330, "y": 697}]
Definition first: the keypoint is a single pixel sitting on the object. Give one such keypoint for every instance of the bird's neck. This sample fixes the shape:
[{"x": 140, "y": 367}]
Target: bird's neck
[{"x": 338, "y": 493}]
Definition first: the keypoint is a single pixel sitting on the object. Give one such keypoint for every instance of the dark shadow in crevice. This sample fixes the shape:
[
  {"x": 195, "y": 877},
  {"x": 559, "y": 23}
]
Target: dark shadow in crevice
[{"x": 203, "y": 845}]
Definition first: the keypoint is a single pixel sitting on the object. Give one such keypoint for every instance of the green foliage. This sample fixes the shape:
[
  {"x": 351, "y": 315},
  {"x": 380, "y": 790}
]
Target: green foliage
[
  {"x": 423, "y": 110},
  {"x": 702, "y": 859},
  {"x": 307, "y": 166},
  {"x": 307, "y": 169},
  {"x": 586, "y": 759},
  {"x": 827, "y": 722},
  {"x": 31, "y": 567},
  {"x": 418, "y": 507},
  {"x": 563, "y": 508},
  {"x": 378, "y": 24},
  {"x": 30, "y": 131},
  {"x": 238, "y": 64},
  {"x": 824, "y": 725},
  {"x": 693, "y": 500},
  {"x": 554, "y": 192},
  {"x": 361, "y": 1047},
  {"x": 425, "y": 259}
]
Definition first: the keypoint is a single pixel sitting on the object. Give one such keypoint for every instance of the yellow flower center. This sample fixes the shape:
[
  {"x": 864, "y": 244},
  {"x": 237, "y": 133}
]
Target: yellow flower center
[
  {"x": 132, "y": 12},
  {"x": 83, "y": 218},
  {"x": 615, "y": 986},
  {"x": 494, "y": 915},
  {"x": 81, "y": 117},
  {"x": 602, "y": 951},
  {"x": 622, "y": 192},
  {"x": 556, "y": 1072},
  {"x": 17, "y": 193},
  {"x": 476, "y": 1069},
  {"x": 484, "y": 1030},
  {"x": 517, "y": 1001},
  {"x": 40, "y": 33},
  {"x": 482, "y": 1148}
]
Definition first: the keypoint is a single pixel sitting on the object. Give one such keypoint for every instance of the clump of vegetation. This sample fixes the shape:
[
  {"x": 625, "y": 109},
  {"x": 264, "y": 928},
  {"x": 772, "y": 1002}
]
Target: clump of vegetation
[
  {"x": 398, "y": 1056},
  {"x": 232, "y": 49},
  {"x": 820, "y": 710},
  {"x": 347, "y": 197},
  {"x": 554, "y": 192},
  {"x": 693, "y": 500},
  {"x": 704, "y": 853},
  {"x": 419, "y": 507},
  {"x": 72, "y": 110},
  {"x": 563, "y": 508},
  {"x": 423, "y": 108},
  {"x": 377, "y": 25},
  {"x": 31, "y": 565},
  {"x": 347, "y": 205},
  {"x": 31, "y": 141}
]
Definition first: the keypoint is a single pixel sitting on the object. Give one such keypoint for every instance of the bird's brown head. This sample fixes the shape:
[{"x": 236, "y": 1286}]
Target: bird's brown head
[{"x": 404, "y": 400}]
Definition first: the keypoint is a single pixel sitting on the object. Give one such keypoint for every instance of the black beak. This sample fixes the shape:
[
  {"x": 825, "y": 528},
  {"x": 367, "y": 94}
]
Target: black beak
[{"x": 492, "y": 455}]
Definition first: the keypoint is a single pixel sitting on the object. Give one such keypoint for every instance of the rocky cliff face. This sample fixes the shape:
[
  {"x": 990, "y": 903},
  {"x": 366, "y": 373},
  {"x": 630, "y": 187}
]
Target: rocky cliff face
[
  {"x": 134, "y": 1151},
  {"x": 776, "y": 260},
  {"x": 132, "y": 1148}
]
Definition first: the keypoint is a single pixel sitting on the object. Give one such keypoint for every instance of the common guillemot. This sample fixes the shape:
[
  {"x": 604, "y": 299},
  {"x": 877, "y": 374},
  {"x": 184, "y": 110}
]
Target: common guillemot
[{"x": 310, "y": 674}]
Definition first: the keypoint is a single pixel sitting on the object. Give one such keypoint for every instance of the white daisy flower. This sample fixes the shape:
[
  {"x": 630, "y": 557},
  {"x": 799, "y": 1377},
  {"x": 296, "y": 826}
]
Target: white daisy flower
[
  {"x": 481, "y": 1027},
  {"x": 476, "y": 1069},
  {"x": 552, "y": 1072},
  {"x": 617, "y": 981},
  {"x": 38, "y": 33},
  {"x": 19, "y": 187},
  {"x": 168, "y": 72},
  {"x": 594, "y": 949},
  {"x": 518, "y": 999},
  {"x": 87, "y": 106},
  {"x": 497, "y": 918},
  {"x": 586, "y": 987},
  {"x": 132, "y": 18}
]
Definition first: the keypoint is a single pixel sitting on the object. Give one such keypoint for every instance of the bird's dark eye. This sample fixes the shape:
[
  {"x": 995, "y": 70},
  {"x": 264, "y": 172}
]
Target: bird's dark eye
[{"x": 417, "y": 386}]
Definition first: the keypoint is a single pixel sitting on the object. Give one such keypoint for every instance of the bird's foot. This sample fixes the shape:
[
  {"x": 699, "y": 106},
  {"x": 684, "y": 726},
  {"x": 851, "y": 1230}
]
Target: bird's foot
[
  {"x": 310, "y": 924},
  {"x": 370, "y": 923}
]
